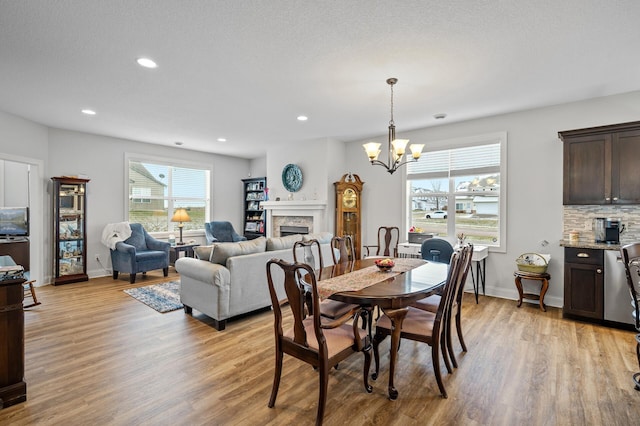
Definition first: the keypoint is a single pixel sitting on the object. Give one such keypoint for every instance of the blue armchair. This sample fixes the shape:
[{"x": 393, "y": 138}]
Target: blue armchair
[
  {"x": 139, "y": 253},
  {"x": 221, "y": 231}
]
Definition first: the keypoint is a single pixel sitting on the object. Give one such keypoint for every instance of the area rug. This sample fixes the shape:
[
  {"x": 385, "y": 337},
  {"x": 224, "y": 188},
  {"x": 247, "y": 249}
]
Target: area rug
[{"x": 163, "y": 297}]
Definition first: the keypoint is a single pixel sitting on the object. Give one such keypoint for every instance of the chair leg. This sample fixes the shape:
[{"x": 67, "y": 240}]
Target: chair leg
[
  {"x": 322, "y": 395},
  {"x": 132, "y": 278},
  {"x": 435, "y": 355},
  {"x": 444, "y": 345},
  {"x": 636, "y": 376},
  {"x": 459, "y": 330},
  {"x": 165, "y": 271},
  {"x": 115, "y": 274},
  {"x": 276, "y": 379}
]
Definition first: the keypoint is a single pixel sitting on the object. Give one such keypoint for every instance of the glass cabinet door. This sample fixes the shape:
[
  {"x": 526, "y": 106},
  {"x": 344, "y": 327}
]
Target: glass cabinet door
[{"x": 70, "y": 229}]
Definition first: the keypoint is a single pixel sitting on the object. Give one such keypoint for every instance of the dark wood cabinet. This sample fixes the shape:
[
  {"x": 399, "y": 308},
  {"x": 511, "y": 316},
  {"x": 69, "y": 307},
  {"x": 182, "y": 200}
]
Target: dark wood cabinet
[
  {"x": 584, "y": 283},
  {"x": 255, "y": 192},
  {"x": 13, "y": 388},
  {"x": 601, "y": 165},
  {"x": 69, "y": 230}
]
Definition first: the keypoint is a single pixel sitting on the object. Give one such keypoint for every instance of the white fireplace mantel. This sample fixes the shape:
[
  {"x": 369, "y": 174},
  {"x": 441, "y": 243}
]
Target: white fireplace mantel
[{"x": 314, "y": 208}]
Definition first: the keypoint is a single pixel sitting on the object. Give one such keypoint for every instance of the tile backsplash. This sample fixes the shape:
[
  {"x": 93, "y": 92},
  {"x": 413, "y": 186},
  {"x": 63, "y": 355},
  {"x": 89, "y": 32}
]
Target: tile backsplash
[{"x": 580, "y": 219}]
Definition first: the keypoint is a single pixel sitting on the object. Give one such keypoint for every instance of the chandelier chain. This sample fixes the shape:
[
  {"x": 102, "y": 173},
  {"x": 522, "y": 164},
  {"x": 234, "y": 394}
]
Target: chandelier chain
[{"x": 391, "y": 122}]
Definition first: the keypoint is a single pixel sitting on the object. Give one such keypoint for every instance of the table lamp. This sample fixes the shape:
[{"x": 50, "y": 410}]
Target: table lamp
[{"x": 180, "y": 216}]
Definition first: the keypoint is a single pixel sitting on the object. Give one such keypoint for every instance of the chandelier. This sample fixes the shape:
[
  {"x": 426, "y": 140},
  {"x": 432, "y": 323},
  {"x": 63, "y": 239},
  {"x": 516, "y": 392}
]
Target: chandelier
[{"x": 395, "y": 146}]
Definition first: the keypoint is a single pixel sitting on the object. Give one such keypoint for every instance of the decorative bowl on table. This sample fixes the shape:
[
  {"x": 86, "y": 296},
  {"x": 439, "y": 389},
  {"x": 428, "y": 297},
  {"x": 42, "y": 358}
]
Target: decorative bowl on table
[{"x": 385, "y": 264}]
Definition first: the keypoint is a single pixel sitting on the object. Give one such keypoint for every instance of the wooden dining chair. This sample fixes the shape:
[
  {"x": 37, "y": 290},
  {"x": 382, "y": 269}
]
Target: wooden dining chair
[
  {"x": 388, "y": 239},
  {"x": 631, "y": 259},
  {"x": 424, "y": 326},
  {"x": 323, "y": 344},
  {"x": 431, "y": 304},
  {"x": 310, "y": 253},
  {"x": 342, "y": 249}
]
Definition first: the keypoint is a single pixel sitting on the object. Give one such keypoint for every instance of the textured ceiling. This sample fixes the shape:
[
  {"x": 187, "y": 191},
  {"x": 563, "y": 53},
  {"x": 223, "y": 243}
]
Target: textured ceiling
[{"x": 244, "y": 70}]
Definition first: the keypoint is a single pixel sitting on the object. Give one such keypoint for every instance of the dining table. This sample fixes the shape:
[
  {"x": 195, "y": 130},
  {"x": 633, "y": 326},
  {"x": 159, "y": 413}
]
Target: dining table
[{"x": 361, "y": 282}]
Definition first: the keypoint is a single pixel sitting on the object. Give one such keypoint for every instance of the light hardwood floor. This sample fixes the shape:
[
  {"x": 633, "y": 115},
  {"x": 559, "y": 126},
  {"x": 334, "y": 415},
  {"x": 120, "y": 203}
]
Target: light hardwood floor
[{"x": 95, "y": 355}]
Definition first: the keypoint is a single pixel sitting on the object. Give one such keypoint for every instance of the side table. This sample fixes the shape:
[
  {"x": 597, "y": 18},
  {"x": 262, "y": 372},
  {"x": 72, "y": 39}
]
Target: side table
[
  {"x": 544, "y": 278},
  {"x": 174, "y": 252},
  {"x": 480, "y": 254}
]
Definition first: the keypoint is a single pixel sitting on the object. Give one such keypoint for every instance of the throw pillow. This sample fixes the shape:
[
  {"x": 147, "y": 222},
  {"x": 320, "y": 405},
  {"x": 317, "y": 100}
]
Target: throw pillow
[
  {"x": 223, "y": 251},
  {"x": 204, "y": 252},
  {"x": 282, "y": 243},
  {"x": 322, "y": 237}
]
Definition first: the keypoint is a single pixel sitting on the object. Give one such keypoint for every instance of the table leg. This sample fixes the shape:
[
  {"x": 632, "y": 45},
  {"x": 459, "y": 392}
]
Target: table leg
[
  {"x": 476, "y": 282},
  {"x": 543, "y": 291},
  {"x": 519, "y": 287},
  {"x": 396, "y": 316},
  {"x": 483, "y": 274}
]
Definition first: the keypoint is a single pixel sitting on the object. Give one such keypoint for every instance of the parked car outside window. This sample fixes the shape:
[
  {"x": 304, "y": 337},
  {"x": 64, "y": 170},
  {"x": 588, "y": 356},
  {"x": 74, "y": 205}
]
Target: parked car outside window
[{"x": 438, "y": 214}]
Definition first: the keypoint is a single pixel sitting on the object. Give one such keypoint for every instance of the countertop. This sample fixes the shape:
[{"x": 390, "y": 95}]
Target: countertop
[{"x": 589, "y": 245}]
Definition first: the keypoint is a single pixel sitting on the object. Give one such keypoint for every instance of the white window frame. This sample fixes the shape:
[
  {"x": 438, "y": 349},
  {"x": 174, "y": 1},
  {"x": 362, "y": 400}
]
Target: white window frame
[
  {"x": 172, "y": 228},
  {"x": 485, "y": 139}
]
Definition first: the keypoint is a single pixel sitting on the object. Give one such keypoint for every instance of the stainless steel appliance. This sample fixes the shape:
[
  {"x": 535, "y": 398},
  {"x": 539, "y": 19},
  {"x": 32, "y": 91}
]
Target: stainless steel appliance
[
  {"x": 607, "y": 230},
  {"x": 617, "y": 300}
]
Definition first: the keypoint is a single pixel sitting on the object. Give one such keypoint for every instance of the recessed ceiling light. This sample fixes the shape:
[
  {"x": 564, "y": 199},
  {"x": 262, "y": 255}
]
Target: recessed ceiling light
[
  {"x": 222, "y": 139},
  {"x": 146, "y": 62},
  {"x": 302, "y": 118},
  {"x": 439, "y": 116},
  {"x": 88, "y": 112},
  {"x": 178, "y": 143}
]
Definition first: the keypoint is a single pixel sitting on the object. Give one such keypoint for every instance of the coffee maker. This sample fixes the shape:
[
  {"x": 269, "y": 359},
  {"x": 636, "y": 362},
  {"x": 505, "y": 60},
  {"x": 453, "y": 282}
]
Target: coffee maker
[{"x": 607, "y": 230}]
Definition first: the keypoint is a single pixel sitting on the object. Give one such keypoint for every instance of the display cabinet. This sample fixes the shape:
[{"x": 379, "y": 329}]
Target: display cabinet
[
  {"x": 348, "y": 209},
  {"x": 69, "y": 230},
  {"x": 255, "y": 192}
]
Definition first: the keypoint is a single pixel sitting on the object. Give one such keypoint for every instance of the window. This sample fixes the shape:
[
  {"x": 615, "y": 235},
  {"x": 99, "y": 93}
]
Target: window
[
  {"x": 459, "y": 188},
  {"x": 157, "y": 188}
]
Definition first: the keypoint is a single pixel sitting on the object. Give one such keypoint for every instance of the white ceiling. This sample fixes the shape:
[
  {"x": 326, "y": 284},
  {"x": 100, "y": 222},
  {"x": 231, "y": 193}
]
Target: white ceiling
[{"x": 245, "y": 69}]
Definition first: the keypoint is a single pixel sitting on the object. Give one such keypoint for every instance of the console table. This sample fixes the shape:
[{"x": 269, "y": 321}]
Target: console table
[
  {"x": 479, "y": 259},
  {"x": 13, "y": 388}
]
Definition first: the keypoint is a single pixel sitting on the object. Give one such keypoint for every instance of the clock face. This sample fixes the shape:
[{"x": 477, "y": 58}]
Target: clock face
[{"x": 349, "y": 198}]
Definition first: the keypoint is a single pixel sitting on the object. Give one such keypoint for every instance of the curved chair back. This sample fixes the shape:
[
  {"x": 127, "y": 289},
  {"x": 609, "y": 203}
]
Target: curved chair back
[
  {"x": 388, "y": 239},
  {"x": 631, "y": 259},
  {"x": 342, "y": 249},
  {"x": 436, "y": 250}
]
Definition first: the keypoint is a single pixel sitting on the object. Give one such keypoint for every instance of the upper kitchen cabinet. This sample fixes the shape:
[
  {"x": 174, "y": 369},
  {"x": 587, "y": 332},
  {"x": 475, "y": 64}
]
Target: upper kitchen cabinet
[{"x": 601, "y": 165}]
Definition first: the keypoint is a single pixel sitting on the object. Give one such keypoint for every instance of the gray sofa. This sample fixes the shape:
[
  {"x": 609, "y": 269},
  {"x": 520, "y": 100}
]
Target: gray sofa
[{"x": 230, "y": 279}]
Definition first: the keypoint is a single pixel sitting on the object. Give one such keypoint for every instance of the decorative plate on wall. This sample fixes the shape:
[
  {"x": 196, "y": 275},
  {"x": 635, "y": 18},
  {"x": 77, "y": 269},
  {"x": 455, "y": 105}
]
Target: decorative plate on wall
[{"x": 292, "y": 177}]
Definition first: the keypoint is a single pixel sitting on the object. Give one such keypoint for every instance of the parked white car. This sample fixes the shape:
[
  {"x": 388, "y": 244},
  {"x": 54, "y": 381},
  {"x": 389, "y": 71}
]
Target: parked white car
[{"x": 438, "y": 214}]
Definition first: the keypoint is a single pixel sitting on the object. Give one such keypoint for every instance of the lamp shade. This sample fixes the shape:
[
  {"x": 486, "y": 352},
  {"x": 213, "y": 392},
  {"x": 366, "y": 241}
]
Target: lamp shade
[{"x": 180, "y": 215}]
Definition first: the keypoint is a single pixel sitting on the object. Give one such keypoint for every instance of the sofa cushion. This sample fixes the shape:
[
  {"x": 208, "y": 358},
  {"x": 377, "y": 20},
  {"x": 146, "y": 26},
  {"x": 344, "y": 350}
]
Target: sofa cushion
[
  {"x": 282, "y": 243},
  {"x": 223, "y": 251},
  {"x": 204, "y": 252},
  {"x": 322, "y": 237}
]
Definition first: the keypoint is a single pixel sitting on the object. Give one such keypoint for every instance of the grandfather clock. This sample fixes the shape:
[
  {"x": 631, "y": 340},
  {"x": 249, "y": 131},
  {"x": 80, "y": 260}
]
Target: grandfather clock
[{"x": 348, "y": 209}]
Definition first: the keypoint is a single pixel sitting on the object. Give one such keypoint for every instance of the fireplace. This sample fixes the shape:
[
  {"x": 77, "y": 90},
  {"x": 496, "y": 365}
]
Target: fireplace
[
  {"x": 292, "y": 230},
  {"x": 303, "y": 213}
]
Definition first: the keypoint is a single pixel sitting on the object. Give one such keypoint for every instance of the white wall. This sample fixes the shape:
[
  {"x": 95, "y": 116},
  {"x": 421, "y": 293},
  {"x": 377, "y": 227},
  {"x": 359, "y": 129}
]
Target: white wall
[
  {"x": 534, "y": 189},
  {"x": 102, "y": 159},
  {"x": 24, "y": 142},
  {"x": 321, "y": 162}
]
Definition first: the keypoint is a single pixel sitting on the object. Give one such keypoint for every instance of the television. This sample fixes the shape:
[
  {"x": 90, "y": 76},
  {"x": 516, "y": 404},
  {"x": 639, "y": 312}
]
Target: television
[{"x": 14, "y": 222}]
